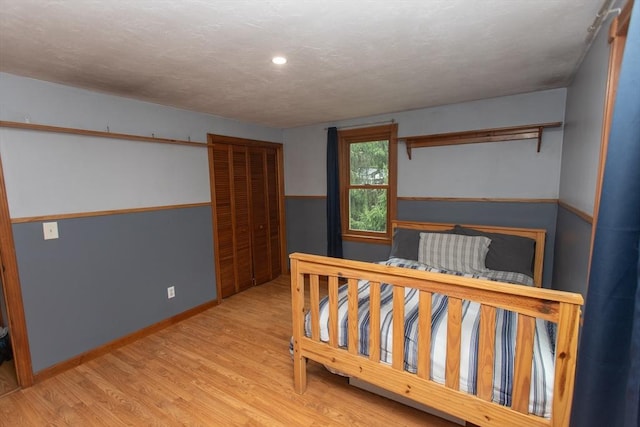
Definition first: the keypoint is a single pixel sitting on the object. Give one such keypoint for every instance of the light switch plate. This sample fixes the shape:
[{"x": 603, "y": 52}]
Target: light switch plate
[{"x": 50, "y": 230}]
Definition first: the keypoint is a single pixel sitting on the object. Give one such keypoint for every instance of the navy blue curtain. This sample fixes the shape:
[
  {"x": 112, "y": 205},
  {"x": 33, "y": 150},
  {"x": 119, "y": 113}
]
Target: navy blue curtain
[
  {"x": 608, "y": 372},
  {"x": 334, "y": 228}
]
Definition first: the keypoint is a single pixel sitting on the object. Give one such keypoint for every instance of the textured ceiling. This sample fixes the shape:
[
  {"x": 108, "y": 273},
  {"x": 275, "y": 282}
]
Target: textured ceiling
[{"x": 346, "y": 58}]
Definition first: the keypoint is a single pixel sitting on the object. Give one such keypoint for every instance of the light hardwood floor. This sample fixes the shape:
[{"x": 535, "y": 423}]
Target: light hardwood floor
[
  {"x": 8, "y": 381},
  {"x": 229, "y": 365}
]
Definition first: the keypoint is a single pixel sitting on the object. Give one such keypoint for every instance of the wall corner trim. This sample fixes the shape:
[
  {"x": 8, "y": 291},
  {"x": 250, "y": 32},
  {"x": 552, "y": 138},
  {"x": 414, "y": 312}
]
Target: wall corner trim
[{"x": 585, "y": 216}]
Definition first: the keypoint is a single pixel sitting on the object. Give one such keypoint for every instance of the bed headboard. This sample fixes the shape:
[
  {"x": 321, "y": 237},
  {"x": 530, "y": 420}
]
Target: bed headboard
[{"x": 532, "y": 233}]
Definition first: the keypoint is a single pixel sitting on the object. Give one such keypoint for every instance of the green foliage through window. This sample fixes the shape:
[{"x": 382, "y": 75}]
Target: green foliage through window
[
  {"x": 369, "y": 168},
  {"x": 368, "y": 209},
  {"x": 369, "y": 162}
]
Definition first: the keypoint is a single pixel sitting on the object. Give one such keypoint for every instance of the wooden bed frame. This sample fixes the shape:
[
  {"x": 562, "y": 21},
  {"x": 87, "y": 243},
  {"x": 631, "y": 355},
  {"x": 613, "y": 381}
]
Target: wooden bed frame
[{"x": 563, "y": 308}]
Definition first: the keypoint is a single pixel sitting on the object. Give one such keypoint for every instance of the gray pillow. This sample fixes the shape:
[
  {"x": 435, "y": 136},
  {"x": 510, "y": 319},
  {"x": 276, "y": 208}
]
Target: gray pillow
[
  {"x": 405, "y": 244},
  {"x": 406, "y": 241},
  {"x": 506, "y": 252},
  {"x": 454, "y": 252}
]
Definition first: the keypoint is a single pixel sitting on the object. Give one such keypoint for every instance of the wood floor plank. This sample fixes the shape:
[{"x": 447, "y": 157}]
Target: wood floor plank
[
  {"x": 229, "y": 365},
  {"x": 8, "y": 378}
]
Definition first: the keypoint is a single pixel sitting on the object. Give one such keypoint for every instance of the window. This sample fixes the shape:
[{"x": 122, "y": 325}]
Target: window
[{"x": 368, "y": 162}]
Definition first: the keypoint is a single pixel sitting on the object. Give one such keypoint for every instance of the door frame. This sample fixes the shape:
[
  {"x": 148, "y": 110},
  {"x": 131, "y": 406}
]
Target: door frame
[
  {"x": 13, "y": 292},
  {"x": 617, "y": 39},
  {"x": 245, "y": 142}
]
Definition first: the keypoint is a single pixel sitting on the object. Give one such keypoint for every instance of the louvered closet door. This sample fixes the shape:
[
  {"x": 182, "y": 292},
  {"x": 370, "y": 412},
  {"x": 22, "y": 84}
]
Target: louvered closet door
[
  {"x": 246, "y": 199},
  {"x": 274, "y": 212},
  {"x": 259, "y": 216},
  {"x": 242, "y": 226},
  {"x": 232, "y": 218},
  {"x": 224, "y": 219}
]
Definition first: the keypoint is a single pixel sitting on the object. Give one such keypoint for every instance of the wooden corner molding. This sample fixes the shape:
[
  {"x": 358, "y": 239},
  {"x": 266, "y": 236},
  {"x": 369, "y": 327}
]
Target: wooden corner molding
[{"x": 585, "y": 216}]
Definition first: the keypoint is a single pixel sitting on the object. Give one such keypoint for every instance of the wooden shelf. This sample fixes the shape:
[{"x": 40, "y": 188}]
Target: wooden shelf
[{"x": 513, "y": 133}]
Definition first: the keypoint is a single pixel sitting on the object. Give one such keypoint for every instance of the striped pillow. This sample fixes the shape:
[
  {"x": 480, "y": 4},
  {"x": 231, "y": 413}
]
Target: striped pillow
[{"x": 454, "y": 252}]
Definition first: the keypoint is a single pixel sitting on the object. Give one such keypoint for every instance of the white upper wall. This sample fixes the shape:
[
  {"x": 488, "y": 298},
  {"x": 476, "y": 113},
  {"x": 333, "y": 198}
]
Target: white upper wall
[
  {"x": 583, "y": 126},
  {"x": 494, "y": 170},
  {"x": 49, "y": 173}
]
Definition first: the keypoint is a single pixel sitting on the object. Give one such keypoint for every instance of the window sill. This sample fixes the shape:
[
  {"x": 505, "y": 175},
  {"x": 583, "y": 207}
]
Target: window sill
[{"x": 376, "y": 240}]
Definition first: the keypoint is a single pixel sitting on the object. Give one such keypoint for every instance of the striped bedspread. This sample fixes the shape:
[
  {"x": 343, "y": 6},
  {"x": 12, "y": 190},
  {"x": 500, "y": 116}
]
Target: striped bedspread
[{"x": 543, "y": 362}]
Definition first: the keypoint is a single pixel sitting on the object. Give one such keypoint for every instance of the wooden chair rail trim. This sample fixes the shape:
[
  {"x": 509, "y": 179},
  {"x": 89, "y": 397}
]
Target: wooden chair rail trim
[
  {"x": 512, "y": 133},
  {"x": 585, "y": 216},
  {"x": 56, "y": 217},
  {"x": 99, "y": 134},
  {"x": 475, "y": 199}
]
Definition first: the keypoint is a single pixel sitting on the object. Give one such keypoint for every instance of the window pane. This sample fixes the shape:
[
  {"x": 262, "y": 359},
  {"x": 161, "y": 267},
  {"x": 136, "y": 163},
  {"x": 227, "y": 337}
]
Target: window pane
[
  {"x": 369, "y": 162},
  {"x": 368, "y": 209}
]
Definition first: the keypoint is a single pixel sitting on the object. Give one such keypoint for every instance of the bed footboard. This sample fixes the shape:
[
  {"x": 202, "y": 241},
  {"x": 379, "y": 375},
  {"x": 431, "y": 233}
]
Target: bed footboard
[{"x": 313, "y": 275}]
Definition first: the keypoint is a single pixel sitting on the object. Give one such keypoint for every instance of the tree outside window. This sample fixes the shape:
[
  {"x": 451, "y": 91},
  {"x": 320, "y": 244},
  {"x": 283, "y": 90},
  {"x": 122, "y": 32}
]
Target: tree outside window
[{"x": 368, "y": 181}]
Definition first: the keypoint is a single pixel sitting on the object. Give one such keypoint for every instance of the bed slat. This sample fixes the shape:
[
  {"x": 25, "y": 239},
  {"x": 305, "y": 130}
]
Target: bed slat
[
  {"x": 297, "y": 311},
  {"x": 333, "y": 311},
  {"x": 486, "y": 350},
  {"x": 352, "y": 291},
  {"x": 374, "y": 321},
  {"x": 522, "y": 368},
  {"x": 397, "y": 361},
  {"x": 454, "y": 326},
  {"x": 424, "y": 335},
  {"x": 314, "y": 300}
]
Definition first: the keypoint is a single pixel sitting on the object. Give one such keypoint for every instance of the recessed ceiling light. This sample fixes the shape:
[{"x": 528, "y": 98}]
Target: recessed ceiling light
[{"x": 279, "y": 60}]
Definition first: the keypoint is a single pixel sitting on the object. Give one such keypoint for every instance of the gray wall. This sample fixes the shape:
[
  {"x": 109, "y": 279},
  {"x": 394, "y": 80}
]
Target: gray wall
[
  {"x": 500, "y": 170},
  {"x": 306, "y": 224},
  {"x": 306, "y": 221},
  {"x": 580, "y": 159},
  {"x": 573, "y": 242},
  {"x": 490, "y": 170},
  {"x": 107, "y": 276}
]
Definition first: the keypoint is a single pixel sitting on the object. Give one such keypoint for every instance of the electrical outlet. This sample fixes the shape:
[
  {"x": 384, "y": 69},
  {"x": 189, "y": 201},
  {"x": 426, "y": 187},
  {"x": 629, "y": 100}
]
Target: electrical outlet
[
  {"x": 171, "y": 292},
  {"x": 50, "y": 230}
]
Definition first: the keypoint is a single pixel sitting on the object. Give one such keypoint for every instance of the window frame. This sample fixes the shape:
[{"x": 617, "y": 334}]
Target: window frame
[{"x": 359, "y": 135}]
